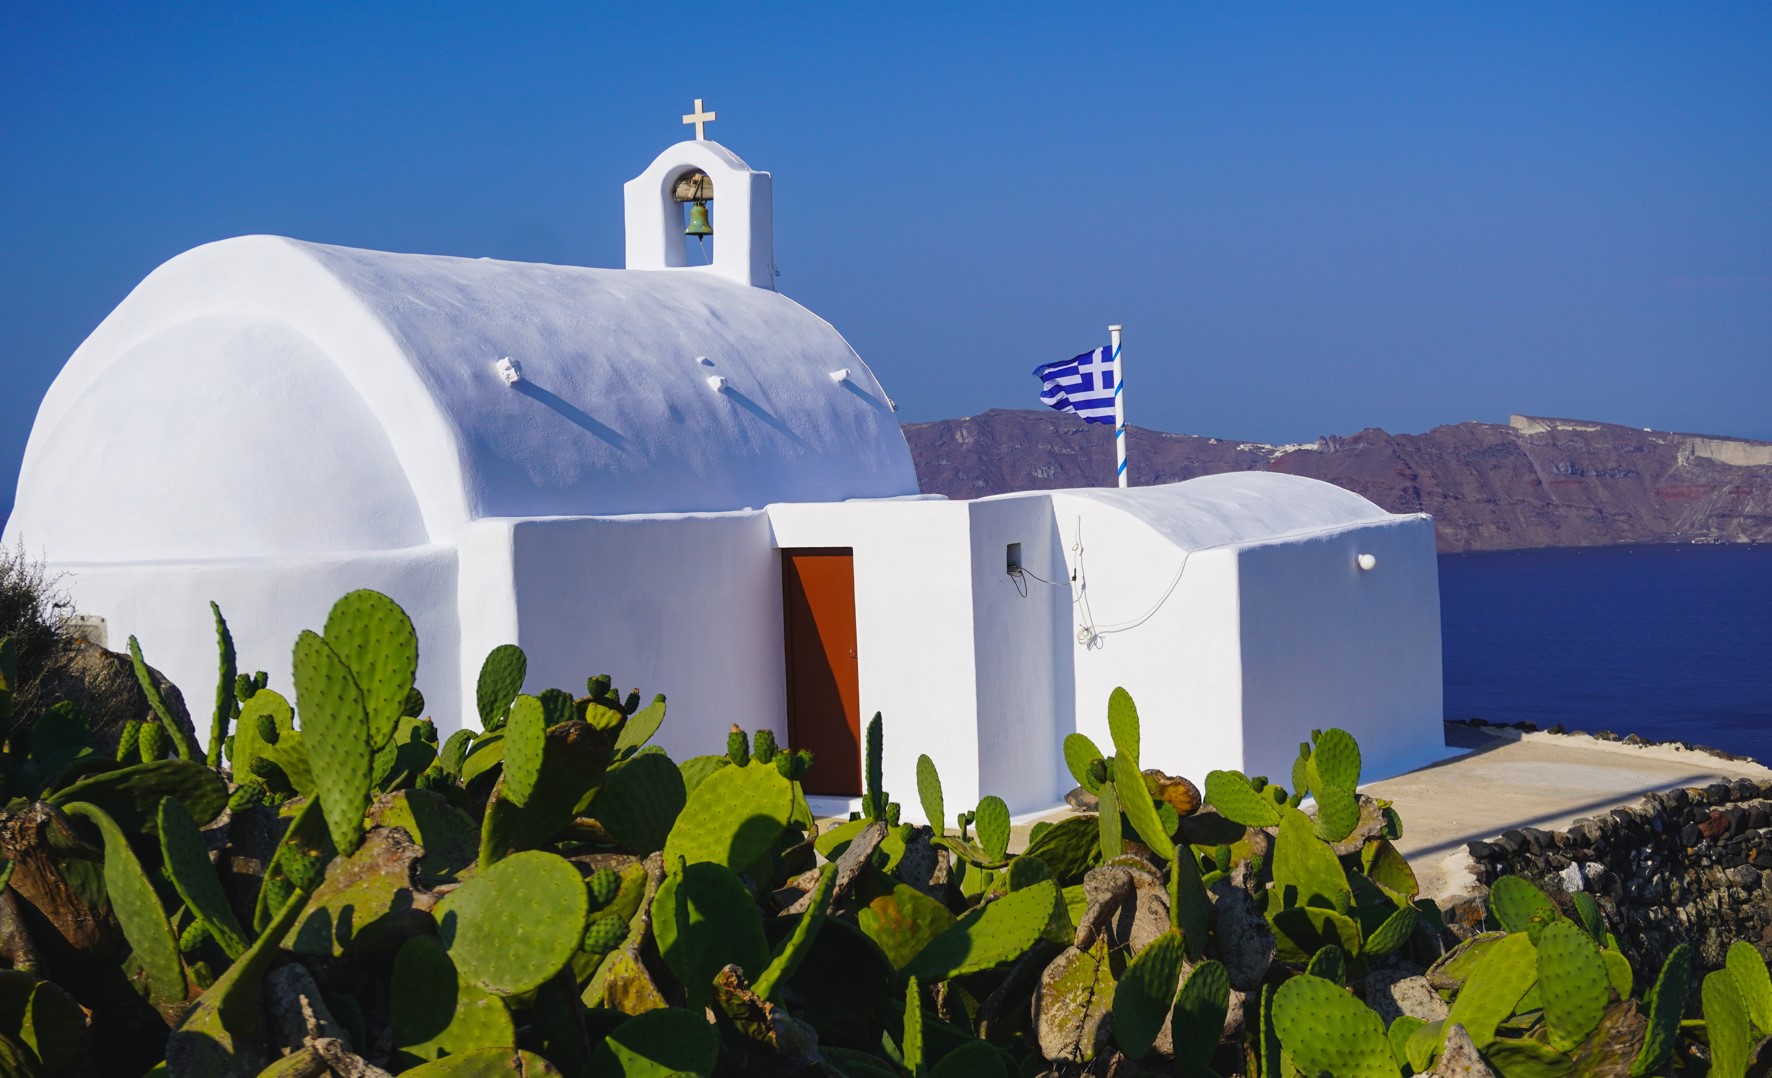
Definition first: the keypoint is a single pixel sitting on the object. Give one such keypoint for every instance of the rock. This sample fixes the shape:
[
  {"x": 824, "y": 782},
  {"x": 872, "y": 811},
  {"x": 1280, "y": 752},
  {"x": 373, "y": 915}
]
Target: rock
[
  {"x": 1394, "y": 991},
  {"x": 1459, "y": 1059},
  {"x": 1082, "y": 800},
  {"x": 1572, "y": 880},
  {"x": 1072, "y": 1004},
  {"x": 1241, "y": 938},
  {"x": 102, "y": 685}
]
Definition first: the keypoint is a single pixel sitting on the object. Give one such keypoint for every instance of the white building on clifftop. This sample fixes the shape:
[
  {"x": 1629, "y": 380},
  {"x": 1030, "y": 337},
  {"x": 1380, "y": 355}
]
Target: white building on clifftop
[{"x": 677, "y": 475}]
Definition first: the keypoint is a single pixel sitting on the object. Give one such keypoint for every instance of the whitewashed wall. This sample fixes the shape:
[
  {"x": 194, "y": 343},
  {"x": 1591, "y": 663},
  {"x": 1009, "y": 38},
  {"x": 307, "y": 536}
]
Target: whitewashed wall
[{"x": 267, "y": 602}]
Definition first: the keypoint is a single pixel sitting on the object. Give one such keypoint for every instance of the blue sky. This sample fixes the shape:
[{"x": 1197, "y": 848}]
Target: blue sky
[{"x": 1311, "y": 218}]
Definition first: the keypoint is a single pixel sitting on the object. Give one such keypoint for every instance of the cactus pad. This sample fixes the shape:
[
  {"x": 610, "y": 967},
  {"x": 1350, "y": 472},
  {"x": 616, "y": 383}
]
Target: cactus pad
[
  {"x": 1198, "y": 1020},
  {"x": 335, "y": 731},
  {"x": 181, "y": 744},
  {"x": 132, "y": 795},
  {"x": 900, "y": 918},
  {"x": 640, "y": 727},
  {"x": 1079, "y": 754},
  {"x": 704, "y": 919},
  {"x": 605, "y": 933},
  {"x": 434, "y": 1013},
  {"x": 526, "y": 740},
  {"x": 992, "y": 822},
  {"x": 224, "y": 690},
  {"x": 929, "y": 793},
  {"x": 138, "y": 910},
  {"x": 1749, "y": 970},
  {"x": 603, "y": 885},
  {"x": 187, "y": 863},
  {"x": 1135, "y": 802},
  {"x": 1666, "y": 1003},
  {"x": 1069, "y": 847},
  {"x": 1497, "y": 981},
  {"x": 1336, "y": 759},
  {"x": 501, "y": 679},
  {"x": 988, "y": 936},
  {"x": 1123, "y": 726},
  {"x": 658, "y": 1044},
  {"x": 1233, "y": 796},
  {"x": 732, "y": 818},
  {"x": 1518, "y": 906},
  {"x": 640, "y": 801},
  {"x": 375, "y": 639},
  {"x": 1146, "y": 992},
  {"x": 1728, "y": 1025},
  {"x": 1325, "y": 1030},
  {"x": 1338, "y": 813},
  {"x": 1572, "y": 983},
  {"x": 516, "y": 923}
]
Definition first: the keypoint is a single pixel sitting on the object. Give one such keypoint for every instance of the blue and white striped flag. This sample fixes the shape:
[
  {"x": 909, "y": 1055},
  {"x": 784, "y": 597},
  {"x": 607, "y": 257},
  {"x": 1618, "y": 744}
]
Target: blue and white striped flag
[{"x": 1083, "y": 384}]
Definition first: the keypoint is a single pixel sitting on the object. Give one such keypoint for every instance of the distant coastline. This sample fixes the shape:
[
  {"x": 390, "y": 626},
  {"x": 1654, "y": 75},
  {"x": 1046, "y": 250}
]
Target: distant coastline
[{"x": 1534, "y": 483}]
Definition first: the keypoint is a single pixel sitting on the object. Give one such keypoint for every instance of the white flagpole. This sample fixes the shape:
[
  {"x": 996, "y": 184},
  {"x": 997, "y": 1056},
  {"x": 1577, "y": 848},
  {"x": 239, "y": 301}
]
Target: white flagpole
[{"x": 1119, "y": 402}]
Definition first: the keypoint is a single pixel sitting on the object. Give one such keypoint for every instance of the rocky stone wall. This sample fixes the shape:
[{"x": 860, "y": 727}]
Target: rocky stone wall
[{"x": 1686, "y": 866}]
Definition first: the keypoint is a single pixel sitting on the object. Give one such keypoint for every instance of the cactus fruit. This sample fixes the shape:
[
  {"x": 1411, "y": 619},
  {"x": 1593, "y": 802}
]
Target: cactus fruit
[
  {"x": 151, "y": 741},
  {"x": 1325, "y": 1030},
  {"x": 247, "y": 795},
  {"x": 526, "y": 739},
  {"x": 171, "y": 729},
  {"x": 993, "y": 827},
  {"x": 892, "y": 811},
  {"x": 137, "y": 909},
  {"x": 187, "y": 863},
  {"x": 1237, "y": 800},
  {"x": 605, "y": 933},
  {"x": 127, "y": 741},
  {"x": 516, "y": 923},
  {"x": 640, "y": 801},
  {"x": 1198, "y": 1018},
  {"x": 434, "y": 1013},
  {"x": 1572, "y": 984},
  {"x": 1080, "y": 754},
  {"x": 762, "y": 745},
  {"x": 1145, "y": 993},
  {"x": 598, "y": 687},
  {"x": 226, "y": 706},
  {"x": 738, "y": 748},
  {"x": 1665, "y": 1003},
  {"x": 1518, "y": 906},
  {"x": 997, "y": 933},
  {"x": 929, "y": 793},
  {"x": 501, "y": 679},
  {"x": 603, "y": 885},
  {"x": 794, "y": 766},
  {"x": 703, "y": 919},
  {"x": 732, "y": 818},
  {"x": 1728, "y": 1025},
  {"x": 335, "y": 730}
]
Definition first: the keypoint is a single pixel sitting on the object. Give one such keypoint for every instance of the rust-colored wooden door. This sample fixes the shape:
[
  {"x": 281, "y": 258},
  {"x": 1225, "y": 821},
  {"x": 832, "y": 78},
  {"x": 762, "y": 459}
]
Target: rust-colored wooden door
[{"x": 824, "y": 680}]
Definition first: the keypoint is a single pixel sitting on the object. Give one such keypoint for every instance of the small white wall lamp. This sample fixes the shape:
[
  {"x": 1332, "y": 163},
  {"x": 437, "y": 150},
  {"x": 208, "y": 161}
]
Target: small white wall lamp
[
  {"x": 840, "y": 376},
  {"x": 1367, "y": 562},
  {"x": 510, "y": 370},
  {"x": 717, "y": 383}
]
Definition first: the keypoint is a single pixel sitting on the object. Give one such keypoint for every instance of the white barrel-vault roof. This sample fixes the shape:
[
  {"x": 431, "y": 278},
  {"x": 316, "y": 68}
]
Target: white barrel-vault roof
[{"x": 266, "y": 396}]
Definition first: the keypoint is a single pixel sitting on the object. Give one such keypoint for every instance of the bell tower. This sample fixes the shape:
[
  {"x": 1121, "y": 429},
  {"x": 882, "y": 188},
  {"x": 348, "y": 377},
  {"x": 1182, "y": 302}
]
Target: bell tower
[{"x": 699, "y": 172}]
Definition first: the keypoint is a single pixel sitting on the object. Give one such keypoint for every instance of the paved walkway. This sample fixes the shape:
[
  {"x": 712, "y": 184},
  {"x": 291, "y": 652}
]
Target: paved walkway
[{"x": 1508, "y": 779}]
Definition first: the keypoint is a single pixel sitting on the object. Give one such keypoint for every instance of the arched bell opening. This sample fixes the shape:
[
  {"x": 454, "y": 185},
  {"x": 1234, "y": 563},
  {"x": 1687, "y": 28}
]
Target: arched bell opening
[{"x": 693, "y": 192}]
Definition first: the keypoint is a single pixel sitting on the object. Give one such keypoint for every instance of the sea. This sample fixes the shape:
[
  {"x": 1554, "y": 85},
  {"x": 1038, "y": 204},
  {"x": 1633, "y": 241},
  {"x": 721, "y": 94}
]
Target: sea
[{"x": 1669, "y": 642}]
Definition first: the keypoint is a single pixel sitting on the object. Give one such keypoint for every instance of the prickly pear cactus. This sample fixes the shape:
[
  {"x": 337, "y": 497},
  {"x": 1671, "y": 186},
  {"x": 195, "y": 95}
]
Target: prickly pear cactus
[
  {"x": 603, "y": 885},
  {"x": 1519, "y": 906},
  {"x": 501, "y": 679},
  {"x": 732, "y": 818},
  {"x": 170, "y": 728},
  {"x": 605, "y": 933},
  {"x": 1135, "y": 802},
  {"x": 1727, "y": 1023},
  {"x": 1146, "y": 992},
  {"x": 1666, "y": 1003},
  {"x": 526, "y": 739},
  {"x": 1198, "y": 1020},
  {"x": 1325, "y": 1030},
  {"x": 992, "y": 822},
  {"x": 335, "y": 731},
  {"x": 989, "y": 936},
  {"x": 434, "y": 1013},
  {"x": 187, "y": 864},
  {"x": 929, "y": 793},
  {"x": 1494, "y": 987},
  {"x": 1079, "y": 754},
  {"x": 704, "y": 919},
  {"x": 225, "y": 703},
  {"x": 640, "y": 802},
  {"x": 515, "y": 924},
  {"x": 1233, "y": 796},
  {"x": 1123, "y": 727},
  {"x": 375, "y": 639},
  {"x": 1572, "y": 983},
  {"x": 138, "y": 911}
]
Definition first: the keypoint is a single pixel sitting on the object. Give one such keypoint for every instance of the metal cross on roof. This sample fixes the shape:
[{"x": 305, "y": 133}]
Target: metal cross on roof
[{"x": 699, "y": 118}]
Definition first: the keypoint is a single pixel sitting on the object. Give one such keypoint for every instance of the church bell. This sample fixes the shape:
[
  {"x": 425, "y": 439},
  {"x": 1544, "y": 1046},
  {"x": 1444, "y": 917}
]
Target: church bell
[{"x": 698, "y": 221}]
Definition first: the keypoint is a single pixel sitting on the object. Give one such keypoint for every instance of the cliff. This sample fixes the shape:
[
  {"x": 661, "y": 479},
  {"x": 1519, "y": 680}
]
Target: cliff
[{"x": 1537, "y": 482}]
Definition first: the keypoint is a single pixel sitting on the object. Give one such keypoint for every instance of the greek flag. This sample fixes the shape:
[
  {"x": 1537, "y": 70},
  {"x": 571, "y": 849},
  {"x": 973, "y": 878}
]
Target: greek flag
[{"x": 1083, "y": 384}]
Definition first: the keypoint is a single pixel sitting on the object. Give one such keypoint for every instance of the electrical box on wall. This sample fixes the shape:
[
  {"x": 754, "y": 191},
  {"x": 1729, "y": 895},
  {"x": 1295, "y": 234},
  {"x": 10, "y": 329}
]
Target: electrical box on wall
[{"x": 1013, "y": 557}]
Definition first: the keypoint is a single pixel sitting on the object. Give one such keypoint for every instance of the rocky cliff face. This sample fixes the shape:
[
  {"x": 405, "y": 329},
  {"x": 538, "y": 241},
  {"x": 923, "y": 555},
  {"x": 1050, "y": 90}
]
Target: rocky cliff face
[{"x": 1534, "y": 483}]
